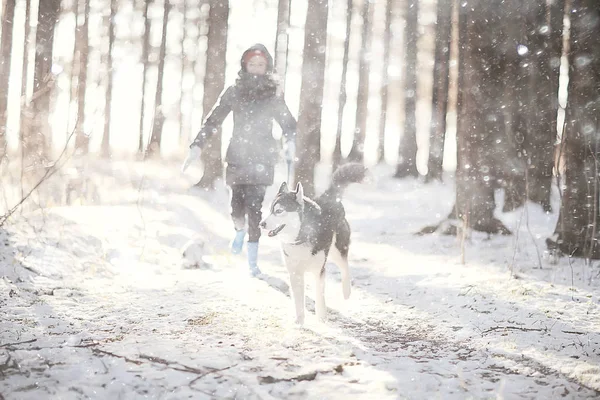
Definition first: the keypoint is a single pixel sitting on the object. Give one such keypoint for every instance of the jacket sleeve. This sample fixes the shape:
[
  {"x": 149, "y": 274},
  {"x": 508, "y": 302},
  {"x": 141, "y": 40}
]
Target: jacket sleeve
[
  {"x": 284, "y": 118},
  {"x": 215, "y": 118}
]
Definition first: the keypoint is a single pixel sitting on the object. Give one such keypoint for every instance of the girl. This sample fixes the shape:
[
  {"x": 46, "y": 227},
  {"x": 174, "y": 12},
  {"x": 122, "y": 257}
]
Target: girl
[{"x": 252, "y": 152}]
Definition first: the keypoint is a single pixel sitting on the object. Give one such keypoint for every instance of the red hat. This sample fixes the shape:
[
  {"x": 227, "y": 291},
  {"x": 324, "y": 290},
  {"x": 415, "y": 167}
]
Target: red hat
[{"x": 253, "y": 53}]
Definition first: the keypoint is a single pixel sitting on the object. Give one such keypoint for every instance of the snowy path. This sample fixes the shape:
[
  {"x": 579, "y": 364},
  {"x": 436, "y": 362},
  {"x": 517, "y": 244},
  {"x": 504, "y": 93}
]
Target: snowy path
[{"x": 96, "y": 305}]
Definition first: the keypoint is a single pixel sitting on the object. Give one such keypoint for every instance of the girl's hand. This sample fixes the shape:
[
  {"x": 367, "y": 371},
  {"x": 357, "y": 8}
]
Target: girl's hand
[{"x": 193, "y": 155}]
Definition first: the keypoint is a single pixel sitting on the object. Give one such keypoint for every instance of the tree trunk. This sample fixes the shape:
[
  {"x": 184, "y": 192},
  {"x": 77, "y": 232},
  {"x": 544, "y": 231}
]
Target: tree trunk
[
  {"x": 311, "y": 98},
  {"x": 534, "y": 97},
  {"x": 576, "y": 232},
  {"x": 357, "y": 153},
  {"x": 25, "y": 122},
  {"x": 441, "y": 78},
  {"x": 282, "y": 40},
  {"x": 407, "y": 160},
  {"x": 80, "y": 64},
  {"x": 387, "y": 37},
  {"x": 105, "y": 146},
  {"x": 36, "y": 144},
  {"x": 214, "y": 82},
  {"x": 184, "y": 88},
  {"x": 484, "y": 63},
  {"x": 145, "y": 52},
  {"x": 159, "y": 115},
  {"x": 539, "y": 144},
  {"x": 337, "y": 151},
  {"x": 517, "y": 101},
  {"x": 8, "y": 15}
]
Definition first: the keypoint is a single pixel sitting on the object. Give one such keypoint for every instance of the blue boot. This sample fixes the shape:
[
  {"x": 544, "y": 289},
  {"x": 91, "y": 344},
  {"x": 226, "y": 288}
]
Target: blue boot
[
  {"x": 252, "y": 258},
  {"x": 238, "y": 241}
]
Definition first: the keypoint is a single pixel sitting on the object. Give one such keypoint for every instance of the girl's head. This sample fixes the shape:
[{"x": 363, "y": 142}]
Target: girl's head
[
  {"x": 256, "y": 80},
  {"x": 257, "y": 60},
  {"x": 255, "y": 63}
]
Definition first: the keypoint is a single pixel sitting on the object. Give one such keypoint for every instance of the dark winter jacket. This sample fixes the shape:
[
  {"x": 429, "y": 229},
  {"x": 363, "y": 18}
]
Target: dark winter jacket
[{"x": 252, "y": 152}]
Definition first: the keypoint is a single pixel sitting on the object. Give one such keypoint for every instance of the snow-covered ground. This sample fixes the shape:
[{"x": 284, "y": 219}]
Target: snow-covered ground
[{"x": 95, "y": 302}]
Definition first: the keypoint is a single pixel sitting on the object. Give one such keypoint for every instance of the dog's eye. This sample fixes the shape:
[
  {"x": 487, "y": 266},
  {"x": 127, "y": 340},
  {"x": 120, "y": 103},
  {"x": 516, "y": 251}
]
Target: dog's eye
[{"x": 279, "y": 211}]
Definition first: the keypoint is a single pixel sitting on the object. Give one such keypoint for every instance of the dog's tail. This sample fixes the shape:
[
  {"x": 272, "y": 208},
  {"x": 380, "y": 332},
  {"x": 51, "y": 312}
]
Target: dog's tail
[{"x": 344, "y": 176}]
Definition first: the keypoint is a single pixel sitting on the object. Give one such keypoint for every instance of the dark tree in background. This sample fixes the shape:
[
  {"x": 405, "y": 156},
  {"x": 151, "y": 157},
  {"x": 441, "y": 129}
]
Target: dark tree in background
[
  {"x": 8, "y": 15},
  {"x": 357, "y": 152},
  {"x": 145, "y": 65},
  {"x": 407, "y": 155},
  {"x": 159, "y": 114},
  {"x": 441, "y": 79},
  {"x": 387, "y": 37},
  {"x": 105, "y": 146},
  {"x": 484, "y": 61},
  {"x": 82, "y": 50},
  {"x": 576, "y": 232},
  {"x": 43, "y": 80},
  {"x": 25, "y": 121},
  {"x": 214, "y": 82},
  {"x": 337, "y": 151},
  {"x": 311, "y": 94},
  {"x": 282, "y": 40},
  {"x": 532, "y": 98}
]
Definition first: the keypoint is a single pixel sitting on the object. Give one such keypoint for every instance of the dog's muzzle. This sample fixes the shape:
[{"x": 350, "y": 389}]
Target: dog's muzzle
[{"x": 275, "y": 231}]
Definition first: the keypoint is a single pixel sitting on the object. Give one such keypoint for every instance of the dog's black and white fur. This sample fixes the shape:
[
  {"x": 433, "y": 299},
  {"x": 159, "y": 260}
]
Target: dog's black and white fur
[{"x": 312, "y": 233}]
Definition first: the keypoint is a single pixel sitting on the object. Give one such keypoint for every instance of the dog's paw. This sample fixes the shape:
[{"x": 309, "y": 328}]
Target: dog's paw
[{"x": 299, "y": 321}]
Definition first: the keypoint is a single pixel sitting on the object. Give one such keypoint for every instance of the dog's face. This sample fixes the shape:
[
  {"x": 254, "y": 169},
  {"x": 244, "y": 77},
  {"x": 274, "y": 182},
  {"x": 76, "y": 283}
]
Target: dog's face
[{"x": 284, "y": 219}]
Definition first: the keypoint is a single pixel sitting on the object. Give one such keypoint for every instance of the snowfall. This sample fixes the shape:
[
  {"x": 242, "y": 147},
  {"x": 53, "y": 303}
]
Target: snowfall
[{"x": 97, "y": 301}]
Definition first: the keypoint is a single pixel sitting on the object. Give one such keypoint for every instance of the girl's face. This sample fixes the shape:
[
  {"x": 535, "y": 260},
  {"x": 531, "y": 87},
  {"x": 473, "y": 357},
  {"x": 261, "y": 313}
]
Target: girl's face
[{"x": 257, "y": 65}]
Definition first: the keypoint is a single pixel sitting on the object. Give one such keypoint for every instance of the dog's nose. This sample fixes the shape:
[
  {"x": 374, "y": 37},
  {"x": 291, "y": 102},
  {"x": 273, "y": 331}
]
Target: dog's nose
[{"x": 263, "y": 224}]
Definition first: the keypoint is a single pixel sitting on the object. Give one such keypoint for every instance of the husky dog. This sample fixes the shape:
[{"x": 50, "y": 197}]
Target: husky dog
[{"x": 312, "y": 233}]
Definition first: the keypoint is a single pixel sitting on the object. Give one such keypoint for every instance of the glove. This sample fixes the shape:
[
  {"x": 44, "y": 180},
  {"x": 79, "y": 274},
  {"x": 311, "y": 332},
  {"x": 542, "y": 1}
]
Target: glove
[
  {"x": 289, "y": 151},
  {"x": 193, "y": 155}
]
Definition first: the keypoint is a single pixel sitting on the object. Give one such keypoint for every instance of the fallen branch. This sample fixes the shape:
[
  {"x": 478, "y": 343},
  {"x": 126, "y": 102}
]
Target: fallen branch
[
  {"x": 12, "y": 344},
  {"x": 311, "y": 376},
  {"x": 514, "y": 328},
  {"x": 108, "y": 353},
  {"x": 212, "y": 371},
  {"x": 575, "y": 332}
]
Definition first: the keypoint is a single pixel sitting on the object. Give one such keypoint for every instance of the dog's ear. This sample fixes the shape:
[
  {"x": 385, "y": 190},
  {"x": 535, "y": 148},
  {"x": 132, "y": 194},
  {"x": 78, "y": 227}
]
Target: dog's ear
[
  {"x": 283, "y": 188},
  {"x": 299, "y": 194}
]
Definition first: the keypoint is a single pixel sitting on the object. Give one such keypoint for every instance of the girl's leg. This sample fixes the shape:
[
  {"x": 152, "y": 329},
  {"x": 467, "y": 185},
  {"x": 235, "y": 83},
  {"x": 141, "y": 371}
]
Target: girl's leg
[
  {"x": 238, "y": 216},
  {"x": 253, "y": 200},
  {"x": 255, "y": 195},
  {"x": 238, "y": 210}
]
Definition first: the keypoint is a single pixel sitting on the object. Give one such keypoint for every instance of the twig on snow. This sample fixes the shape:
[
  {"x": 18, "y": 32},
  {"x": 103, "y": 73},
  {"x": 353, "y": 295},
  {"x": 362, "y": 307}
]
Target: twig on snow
[
  {"x": 514, "y": 328},
  {"x": 12, "y": 344}
]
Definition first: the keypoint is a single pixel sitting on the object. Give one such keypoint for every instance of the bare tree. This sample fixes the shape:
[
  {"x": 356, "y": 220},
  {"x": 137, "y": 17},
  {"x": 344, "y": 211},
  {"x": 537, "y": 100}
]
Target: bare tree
[
  {"x": 144, "y": 61},
  {"x": 281, "y": 40},
  {"x": 25, "y": 80},
  {"x": 43, "y": 79},
  {"x": 105, "y": 146},
  {"x": 387, "y": 37},
  {"x": 407, "y": 160},
  {"x": 576, "y": 232},
  {"x": 82, "y": 50},
  {"x": 185, "y": 65},
  {"x": 357, "y": 152},
  {"x": 8, "y": 15},
  {"x": 337, "y": 151},
  {"x": 441, "y": 75},
  {"x": 214, "y": 82},
  {"x": 311, "y": 98},
  {"x": 483, "y": 61},
  {"x": 532, "y": 84},
  {"x": 159, "y": 115}
]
